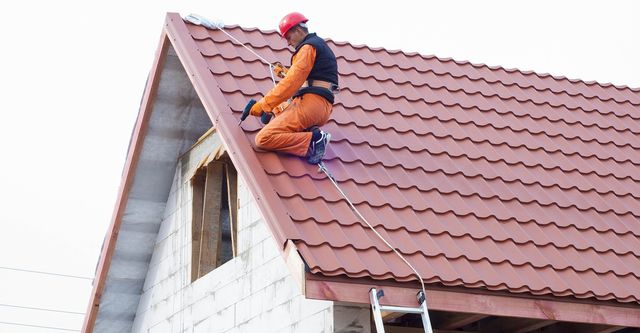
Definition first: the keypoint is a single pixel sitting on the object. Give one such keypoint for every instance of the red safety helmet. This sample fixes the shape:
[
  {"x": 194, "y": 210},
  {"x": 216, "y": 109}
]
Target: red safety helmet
[{"x": 290, "y": 21}]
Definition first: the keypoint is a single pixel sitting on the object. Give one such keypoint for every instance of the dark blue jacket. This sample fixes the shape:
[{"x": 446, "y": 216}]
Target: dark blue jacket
[{"x": 325, "y": 67}]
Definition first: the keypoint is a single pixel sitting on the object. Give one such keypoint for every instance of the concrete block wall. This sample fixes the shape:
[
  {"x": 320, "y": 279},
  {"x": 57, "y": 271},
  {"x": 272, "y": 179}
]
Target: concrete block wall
[{"x": 253, "y": 292}]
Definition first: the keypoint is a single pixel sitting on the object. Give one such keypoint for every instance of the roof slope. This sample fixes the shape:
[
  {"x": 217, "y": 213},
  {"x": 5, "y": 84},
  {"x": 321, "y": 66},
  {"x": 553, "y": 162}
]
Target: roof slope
[
  {"x": 486, "y": 179},
  {"x": 483, "y": 177}
]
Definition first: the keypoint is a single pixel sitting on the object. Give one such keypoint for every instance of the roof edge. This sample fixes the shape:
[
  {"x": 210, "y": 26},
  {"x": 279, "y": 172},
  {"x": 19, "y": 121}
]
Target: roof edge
[
  {"x": 128, "y": 173},
  {"x": 233, "y": 137},
  {"x": 355, "y": 291}
]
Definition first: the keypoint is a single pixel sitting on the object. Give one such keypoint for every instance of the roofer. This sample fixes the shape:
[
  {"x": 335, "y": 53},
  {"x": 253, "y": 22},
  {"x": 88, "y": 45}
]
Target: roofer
[{"x": 311, "y": 80}]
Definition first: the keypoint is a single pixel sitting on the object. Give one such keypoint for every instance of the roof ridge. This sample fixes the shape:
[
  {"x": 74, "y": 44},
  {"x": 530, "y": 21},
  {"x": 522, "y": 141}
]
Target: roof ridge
[
  {"x": 447, "y": 73},
  {"x": 496, "y": 68},
  {"x": 532, "y": 86},
  {"x": 605, "y": 85}
]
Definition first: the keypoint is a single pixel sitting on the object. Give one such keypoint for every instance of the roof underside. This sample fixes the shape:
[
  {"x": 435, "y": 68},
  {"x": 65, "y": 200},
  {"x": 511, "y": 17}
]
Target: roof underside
[
  {"x": 177, "y": 119},
  {"x": 482, "y": 177}
]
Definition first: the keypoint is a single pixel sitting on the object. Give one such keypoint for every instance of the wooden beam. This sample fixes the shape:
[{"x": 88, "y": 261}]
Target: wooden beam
[
  {"x": 387, "y": 316},
  {"x": 232, "y": 197},
  {"x": 528, "y": 325},
  {"x": 197, "y": 200},
  {"x": 606, "y": 329},
  {"x": 400, "y": 329},
  {"x": 357, "y": 291},
  {"x": 515, "y": 325},
  {"x": 211, "y": 228},
  {"x": 295, "y": 264},
  {"x": 458, "y": 320},
  {"x": 582, "y": 328}
]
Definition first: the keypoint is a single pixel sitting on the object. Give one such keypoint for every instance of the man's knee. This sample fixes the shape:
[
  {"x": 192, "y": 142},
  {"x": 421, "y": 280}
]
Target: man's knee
[{"x": 262, "y": 139}]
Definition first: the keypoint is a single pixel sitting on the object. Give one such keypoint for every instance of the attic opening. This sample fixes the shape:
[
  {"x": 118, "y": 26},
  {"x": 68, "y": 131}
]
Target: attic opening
[{"x": 213, "y": 184}]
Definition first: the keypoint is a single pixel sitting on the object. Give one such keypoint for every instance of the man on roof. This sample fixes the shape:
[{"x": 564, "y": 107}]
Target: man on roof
[{"x": 310, "y": 81}]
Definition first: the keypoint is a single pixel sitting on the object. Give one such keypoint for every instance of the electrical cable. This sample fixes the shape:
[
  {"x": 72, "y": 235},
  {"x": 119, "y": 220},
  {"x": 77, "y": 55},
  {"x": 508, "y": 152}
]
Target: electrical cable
[
  {"x": 46, "y": 273},
  {"x": 40, "y": 309},
  {"x": 39, "y": 326}
]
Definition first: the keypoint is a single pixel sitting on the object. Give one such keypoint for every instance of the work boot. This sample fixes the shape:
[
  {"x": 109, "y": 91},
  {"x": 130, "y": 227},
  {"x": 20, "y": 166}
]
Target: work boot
[
  {"x": 318, "y": 146},
  {"x": 313, "y": 128}
]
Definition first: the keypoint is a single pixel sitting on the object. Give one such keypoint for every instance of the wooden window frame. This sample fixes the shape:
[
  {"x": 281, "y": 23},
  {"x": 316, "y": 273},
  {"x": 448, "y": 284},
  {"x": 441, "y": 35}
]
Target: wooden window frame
[{"x": 207, "y": 222}]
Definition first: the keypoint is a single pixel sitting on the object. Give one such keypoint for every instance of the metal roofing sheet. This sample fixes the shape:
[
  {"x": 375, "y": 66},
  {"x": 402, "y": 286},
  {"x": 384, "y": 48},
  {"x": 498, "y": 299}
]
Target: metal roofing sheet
[{"x": 483, "y": 177}]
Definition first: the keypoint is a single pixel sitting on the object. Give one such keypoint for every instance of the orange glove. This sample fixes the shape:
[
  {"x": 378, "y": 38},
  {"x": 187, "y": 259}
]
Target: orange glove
[
  {"x": 279, "y": 70},
  {"x": 256, "y": 109}
]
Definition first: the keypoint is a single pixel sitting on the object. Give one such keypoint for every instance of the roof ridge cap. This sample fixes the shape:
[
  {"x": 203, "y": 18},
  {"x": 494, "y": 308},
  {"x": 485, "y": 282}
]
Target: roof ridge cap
[{"x": 604, "y": 85}]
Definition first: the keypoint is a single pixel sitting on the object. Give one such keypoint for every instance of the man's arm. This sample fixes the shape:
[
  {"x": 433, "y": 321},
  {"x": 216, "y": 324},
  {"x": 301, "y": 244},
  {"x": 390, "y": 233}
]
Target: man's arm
[{"x": 297, "y": 74}]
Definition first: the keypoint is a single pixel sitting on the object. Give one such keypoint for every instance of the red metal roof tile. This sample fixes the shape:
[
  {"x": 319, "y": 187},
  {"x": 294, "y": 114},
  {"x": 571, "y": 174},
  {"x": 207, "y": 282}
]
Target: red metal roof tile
[{"x": 483, "y": 177}]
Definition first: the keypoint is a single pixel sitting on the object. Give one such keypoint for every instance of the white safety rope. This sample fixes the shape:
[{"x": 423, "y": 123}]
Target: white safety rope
[
  {"x": 271, "y": 67},
  {"x": 324, "y": 169},
  {"x": 200, "y": 20}
]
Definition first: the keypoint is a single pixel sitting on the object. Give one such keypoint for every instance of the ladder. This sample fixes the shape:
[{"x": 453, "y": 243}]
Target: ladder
[{"x": 377, "y": 309}]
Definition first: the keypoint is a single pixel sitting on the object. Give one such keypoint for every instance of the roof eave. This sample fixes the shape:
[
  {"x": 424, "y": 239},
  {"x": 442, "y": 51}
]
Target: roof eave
[{"x": 398, "y": 294}]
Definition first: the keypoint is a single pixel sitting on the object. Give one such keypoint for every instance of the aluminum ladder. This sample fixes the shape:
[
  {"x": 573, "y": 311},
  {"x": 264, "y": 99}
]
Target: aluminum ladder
[{"x": 377, "y": 309}]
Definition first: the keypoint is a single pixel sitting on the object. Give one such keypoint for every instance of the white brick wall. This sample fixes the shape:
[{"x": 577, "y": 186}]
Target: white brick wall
[{"x": 254, "y": 292}]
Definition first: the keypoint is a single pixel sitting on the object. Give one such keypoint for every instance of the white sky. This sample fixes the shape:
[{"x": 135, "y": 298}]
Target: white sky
[{"x": 72, "y": 75}]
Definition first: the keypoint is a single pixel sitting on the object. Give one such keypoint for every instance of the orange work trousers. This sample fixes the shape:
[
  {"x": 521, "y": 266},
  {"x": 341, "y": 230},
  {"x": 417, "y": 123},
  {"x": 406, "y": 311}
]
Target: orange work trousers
[{"x": 284, "y": 132}]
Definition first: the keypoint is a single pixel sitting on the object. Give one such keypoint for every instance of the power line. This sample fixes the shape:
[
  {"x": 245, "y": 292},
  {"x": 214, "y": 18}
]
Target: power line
[
  {"x": 38, "y": 326},
  {"x": 46, "y": 273},
  {"x": 40, "y": 309}
]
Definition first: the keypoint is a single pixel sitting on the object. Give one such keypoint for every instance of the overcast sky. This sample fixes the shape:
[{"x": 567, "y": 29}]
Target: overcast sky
[{"x": 72, "y": 74}]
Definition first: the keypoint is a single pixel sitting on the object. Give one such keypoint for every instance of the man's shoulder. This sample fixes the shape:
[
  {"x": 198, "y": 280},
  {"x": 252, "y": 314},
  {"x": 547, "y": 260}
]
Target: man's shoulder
[{"x": 313, "y": 40}]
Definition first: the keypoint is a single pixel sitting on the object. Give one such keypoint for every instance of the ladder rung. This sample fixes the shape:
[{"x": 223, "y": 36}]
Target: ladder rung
[
  {"x": 402, "y": 309},
  {"x": 377, "y": 309}
]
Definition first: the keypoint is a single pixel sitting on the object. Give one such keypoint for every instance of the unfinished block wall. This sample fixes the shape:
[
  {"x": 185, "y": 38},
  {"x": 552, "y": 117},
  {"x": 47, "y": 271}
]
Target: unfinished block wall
[{"x": 253, "y": 292}]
